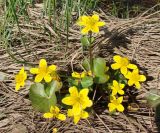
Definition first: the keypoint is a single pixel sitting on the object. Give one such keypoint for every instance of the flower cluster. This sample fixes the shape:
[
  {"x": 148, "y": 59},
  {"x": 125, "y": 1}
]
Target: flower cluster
[
  {"x": 123, "y": 64},
  {"x": 43, "y": 72},
  {"x": 79, "y": 102},
  {"x": 95, "y": 78},
  {"x": 81, "y": 75}
]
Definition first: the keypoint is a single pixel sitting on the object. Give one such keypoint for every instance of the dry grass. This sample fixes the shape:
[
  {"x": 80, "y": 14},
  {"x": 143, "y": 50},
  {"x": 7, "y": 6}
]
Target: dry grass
[{"x": 137, "y": 38}]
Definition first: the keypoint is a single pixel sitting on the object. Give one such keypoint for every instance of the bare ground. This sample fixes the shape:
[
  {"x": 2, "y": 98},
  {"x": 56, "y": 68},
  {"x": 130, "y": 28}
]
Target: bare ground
[{"x": 137, "y": 38}]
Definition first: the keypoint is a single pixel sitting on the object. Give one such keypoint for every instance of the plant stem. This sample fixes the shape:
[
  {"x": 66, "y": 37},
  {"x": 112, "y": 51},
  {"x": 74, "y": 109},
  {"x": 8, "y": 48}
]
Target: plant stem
[{"x": 90, "y": 50}]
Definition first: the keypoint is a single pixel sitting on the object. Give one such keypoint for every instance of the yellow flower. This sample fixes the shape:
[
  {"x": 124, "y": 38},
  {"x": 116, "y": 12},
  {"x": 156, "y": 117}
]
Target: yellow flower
[
  {"x": 20, "y": 79},
  {"x": 55, "y": 130},
  {"x": 79, "y": 100},
  {"x": 135, "y": 78},
  {"x": 90, "y": 23},
  {"x": 55, "y": 76},
  {"x": 117, "y": 88},
  {"x": 79, "y": 75},
  {"x": 54, "y": 113},
  {"x": 116, "y": 104},
  {"x": 83, "y": 114},
  {"x": 123, "y": 64},
  {"x": 90, "y": 73},
  {"x": 43, "y": 71}
]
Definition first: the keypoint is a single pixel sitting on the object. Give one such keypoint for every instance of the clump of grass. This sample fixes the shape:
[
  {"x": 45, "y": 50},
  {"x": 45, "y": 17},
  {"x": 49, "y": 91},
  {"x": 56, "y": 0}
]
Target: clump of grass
[
  {"x": 59, "y": 12},
  {"x": 126, "y": 8}
]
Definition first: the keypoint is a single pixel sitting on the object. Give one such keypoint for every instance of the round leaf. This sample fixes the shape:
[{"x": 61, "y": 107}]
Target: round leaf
[
  {"x": 40, "y": 100},
  {"x": 87, "y": 82},
  {"x": 86, "y": 64},
  {"x": 99, "y": 66},
  {"x": 85, "y": 41}
]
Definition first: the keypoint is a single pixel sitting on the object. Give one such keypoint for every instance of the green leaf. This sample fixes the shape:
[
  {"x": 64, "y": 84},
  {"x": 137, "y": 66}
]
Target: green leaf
[
  {"x": 85, "y": 41},
  {"x": 100, "y": 79},
  {"x": 99, "y": 70},
  {"x": 73, "y": 82},
  {"x": 92, "y": 40},
  {"x": 87, "y": 82},
  {"x": 42, "y": 97},
  {"x": 99, "y": 66},
  {"x": 52, "y": 87},
  {"x": 2, "y": 76},
  {"x": 86, "y": 64},
  {"x": 153, "y": 98}
]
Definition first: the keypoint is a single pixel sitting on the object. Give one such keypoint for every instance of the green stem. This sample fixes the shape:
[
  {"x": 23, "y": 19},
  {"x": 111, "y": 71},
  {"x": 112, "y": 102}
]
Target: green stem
[{"x": 90, "y": 50}]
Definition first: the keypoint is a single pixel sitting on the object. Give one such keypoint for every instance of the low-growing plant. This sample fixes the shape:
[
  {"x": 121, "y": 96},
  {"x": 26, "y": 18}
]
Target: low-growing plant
[{"x": 96, "y": 75}]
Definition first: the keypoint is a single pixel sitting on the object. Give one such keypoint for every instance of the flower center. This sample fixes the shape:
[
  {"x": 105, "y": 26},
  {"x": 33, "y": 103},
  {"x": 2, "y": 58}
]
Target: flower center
[
  {"x": 124, "y": 62},
  {"x": 19, "y": 78},
  {"x": 115, "y": 102},
  {"x": 135, "y": 77},
  {"x": 78, "y": 99},
  {"x": 92, "y": 22},
  {"x": 43, "y": 71}
]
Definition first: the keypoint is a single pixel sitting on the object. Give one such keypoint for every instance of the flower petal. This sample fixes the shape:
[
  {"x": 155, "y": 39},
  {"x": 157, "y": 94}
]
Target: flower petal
[
  {"x": 83, "y": 74},
  {"x": 115, "y": 66},
  {"x": 135, "y": 71},
  {"x": 115, "y": 83},
  {"x": 95, "y": 17},
  {"x": 38, "y": 78},
  {"x": 123, "y": 70},
  {"x": 68, "y": 100},
  {"x": 51, "y": 109},
  {"x": 34, "y": 70},
  {"x": 70, "y": 112},
  {"x": 61, "y": 117},
  {"x": 112, "y": 107},
  {"x": 85, "y": 30},
  {"x": 76, "y": 75},
  {"x": 47, "y": 78},
  {"x": 73, "y": 91},
  {"x": 117, "y": 58},
  {"x": 43, "y": 63},
  {"x": 21, "y": 71},
  {"x": 121, "y": 92},
  {"x": 76, "y": 119},
  {"x": 77, "y": 108},
  {"x": 95, "y": 29},
  {"x": 84, "y": 92},
  {"x": 132, "y": 66},
  {"x": 101, "y": 23},
  {"x": 120, "y": 99},
  {"x": 130, "y": 82},
  {"x": 17, "y": 88},
  {"x": 25, "y": 75},
  {"x": 48, "y": 115},
  {"x": 122, "y": 86},
  {"x": 22, "y": 84},
  {"x": 84, "y": 115},
  {"x": 137, "y": 84},
  {"x": 54, "y": 109},
  {"x": 128, "y": 75},
  {"x": 114, "y": 92},
  {"x": 142, "y": 78},
  {"x": 82, "y": 20},
  {"x": 52, "y": 68},
  {"x": 86, "y": 103},
  {"x": 120, "y": 108}
]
